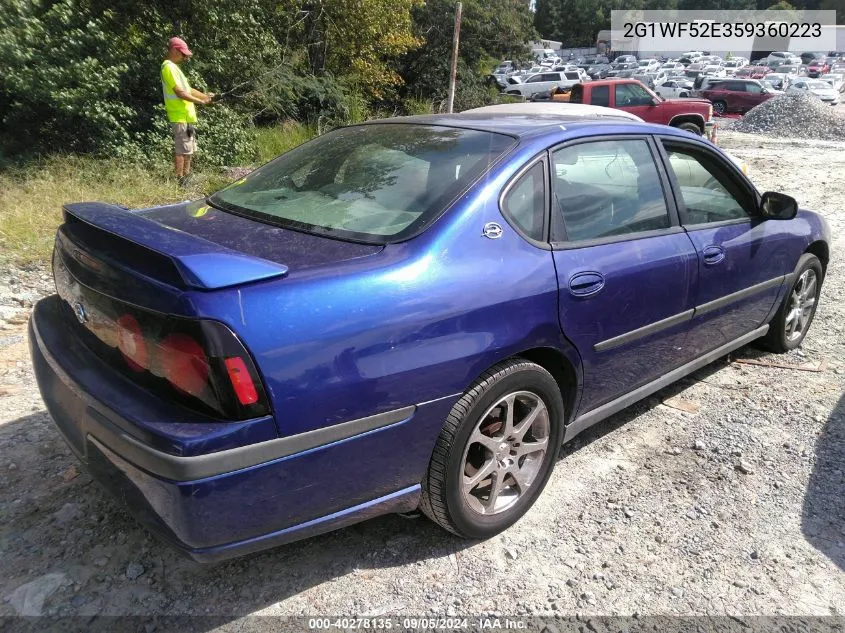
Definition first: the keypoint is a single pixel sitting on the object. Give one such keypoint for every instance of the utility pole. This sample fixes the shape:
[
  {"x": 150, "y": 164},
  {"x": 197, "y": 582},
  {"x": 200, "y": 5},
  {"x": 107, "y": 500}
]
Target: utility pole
[{"x": 453, "y": 75}]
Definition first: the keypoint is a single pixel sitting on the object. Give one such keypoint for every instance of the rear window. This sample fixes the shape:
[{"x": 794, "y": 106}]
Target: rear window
[{"x": 375, "y": 183}]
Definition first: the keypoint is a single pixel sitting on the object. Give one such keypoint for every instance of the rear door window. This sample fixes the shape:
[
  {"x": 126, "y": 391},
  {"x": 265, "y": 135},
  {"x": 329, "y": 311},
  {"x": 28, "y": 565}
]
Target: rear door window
[{"x": 606, "y": 188}]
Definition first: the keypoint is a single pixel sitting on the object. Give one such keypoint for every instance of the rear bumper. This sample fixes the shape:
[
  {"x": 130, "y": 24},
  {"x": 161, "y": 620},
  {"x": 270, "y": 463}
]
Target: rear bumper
[{"x": 236, "y": 501}]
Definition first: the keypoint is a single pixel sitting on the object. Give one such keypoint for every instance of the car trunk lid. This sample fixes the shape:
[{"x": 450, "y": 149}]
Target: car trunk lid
[{"x": 295, "y": 250}]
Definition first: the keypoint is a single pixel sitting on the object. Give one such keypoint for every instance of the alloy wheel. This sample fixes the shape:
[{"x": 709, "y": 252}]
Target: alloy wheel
[
  {"x": 505, "y": 452},
  {"x": 802, "y": 301}
]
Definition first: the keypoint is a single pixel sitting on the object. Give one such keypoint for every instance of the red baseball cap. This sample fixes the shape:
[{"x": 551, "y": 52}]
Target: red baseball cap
[{"x": 179, "y": 44}]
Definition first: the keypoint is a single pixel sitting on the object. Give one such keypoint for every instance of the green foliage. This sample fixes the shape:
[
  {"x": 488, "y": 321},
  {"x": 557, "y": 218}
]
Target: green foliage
[
  {"x": 284, "y": 94},
  {"x": 31, "y": 196},
  {"x": 83, "y": 75},
  {"x": 473, "y": 92},
  {"x": 58, "y": 93},
  {"x": 277, "y": 139},
  {"x": 356, "y": 38},
  {"x": 412, "y": 106},
  {"x": 716, "y": 5},
  {"x": 226, "y": 137},
  {"x": 490, "y": 30},
  {"x": 577, "y": 23}
]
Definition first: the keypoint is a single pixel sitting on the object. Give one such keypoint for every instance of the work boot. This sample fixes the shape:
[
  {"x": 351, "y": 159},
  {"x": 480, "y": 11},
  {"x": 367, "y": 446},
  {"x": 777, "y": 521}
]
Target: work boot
[{"x": 183, "y": 181}]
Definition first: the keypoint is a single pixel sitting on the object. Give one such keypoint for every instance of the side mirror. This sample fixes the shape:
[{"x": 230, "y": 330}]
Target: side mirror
[{"x": 778, "y": 206}]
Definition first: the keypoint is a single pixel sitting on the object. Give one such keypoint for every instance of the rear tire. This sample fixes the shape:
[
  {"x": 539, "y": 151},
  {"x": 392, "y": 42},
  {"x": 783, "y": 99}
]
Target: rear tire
[
  {"x": 790, "y": 324},
  {"x": 496, "y": 451}
]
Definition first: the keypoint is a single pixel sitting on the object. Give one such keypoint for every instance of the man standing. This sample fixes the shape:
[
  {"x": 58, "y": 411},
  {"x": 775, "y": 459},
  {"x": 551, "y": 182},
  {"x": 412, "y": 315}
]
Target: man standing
[{"x": 179, "y": 100}]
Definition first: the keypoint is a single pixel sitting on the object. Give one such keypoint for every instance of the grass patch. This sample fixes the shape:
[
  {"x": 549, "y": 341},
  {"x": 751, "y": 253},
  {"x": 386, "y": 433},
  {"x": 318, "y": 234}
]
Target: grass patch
[
  {"x": 278, "y": 139},
  {"x": 32, "y": 194},
  {"x": 31, "y": 197},
  {"x": 413, "y": 106}
]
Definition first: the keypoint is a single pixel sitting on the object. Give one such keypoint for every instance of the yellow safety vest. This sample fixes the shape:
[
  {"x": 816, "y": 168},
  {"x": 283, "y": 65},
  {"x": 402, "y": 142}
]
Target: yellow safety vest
[{"x": 178, "y": 110}]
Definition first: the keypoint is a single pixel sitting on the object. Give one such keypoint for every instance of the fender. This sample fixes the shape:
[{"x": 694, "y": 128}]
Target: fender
[{"x": 694, "y": 115}]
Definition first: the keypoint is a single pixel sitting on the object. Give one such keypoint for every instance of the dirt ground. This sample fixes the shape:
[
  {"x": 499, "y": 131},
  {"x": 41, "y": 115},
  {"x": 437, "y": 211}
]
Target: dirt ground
[{"x": 721, "y": 495}]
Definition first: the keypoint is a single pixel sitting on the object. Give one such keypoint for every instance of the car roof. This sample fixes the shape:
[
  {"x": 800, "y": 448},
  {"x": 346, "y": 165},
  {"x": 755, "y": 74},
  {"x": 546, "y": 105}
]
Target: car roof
[
  {"x": 570, "y": 111},
  {"x": 533, "y": 125}
]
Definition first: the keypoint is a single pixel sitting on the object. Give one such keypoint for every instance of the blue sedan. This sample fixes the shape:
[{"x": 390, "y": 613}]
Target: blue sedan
[{"x": 412, "y": 313}]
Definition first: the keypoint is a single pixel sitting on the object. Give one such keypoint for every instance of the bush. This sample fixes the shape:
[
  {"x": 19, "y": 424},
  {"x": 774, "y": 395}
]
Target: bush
[
  {"x": 473, "y": 92},
  {"x": 57, "y": 94},
  {"x": 413, "y": 106},
  {"x": 225, "y": 137},
  {"x": 324, "y": 100}
]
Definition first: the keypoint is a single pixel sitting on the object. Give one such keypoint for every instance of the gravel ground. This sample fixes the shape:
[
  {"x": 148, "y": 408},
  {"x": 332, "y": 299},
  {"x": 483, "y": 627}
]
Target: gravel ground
[{"x": 724, "y": 494}]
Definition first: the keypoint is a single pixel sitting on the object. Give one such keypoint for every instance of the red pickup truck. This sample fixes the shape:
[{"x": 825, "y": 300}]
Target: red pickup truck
[{"x": 693, "y": 115}]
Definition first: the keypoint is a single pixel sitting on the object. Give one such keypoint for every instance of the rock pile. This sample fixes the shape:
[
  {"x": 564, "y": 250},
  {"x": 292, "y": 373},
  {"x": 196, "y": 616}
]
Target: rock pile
[{"x": 798, "y": 115}]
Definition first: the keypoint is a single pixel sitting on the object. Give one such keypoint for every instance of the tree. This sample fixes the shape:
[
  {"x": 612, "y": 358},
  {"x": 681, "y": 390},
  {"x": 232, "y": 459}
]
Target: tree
[
  {"x": 834, "y": 5},
  {"x": 360, "y": 39},
  {"x": 491, "y": 30}
]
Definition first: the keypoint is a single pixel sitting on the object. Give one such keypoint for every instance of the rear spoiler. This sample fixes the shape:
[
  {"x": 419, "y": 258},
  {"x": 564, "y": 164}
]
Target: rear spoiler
[{"x": 194, "y": 261}]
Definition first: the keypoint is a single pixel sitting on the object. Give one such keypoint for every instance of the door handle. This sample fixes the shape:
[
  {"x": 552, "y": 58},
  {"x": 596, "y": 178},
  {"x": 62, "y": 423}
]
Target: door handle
[
  {"x": 586, "y": 284},
  {"x": 713, "y": 255}
]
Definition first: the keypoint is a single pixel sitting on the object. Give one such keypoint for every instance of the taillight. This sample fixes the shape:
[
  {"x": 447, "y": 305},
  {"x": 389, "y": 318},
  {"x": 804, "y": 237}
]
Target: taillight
[
  {"x": 198, "y": 363},
  {"x": 242, "y": 382},
  {"x": 184, "y": 364},
  {"x": 131, "y": 343}
]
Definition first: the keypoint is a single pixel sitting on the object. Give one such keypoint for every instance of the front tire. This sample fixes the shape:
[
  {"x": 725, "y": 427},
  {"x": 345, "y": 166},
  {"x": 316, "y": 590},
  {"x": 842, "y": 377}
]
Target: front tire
[
  {"x": 792, "y": 320},
  {"x": 691, "y": 127},
  {"x": 720, "y": 107},
  {"x": 496, "y": 451}
]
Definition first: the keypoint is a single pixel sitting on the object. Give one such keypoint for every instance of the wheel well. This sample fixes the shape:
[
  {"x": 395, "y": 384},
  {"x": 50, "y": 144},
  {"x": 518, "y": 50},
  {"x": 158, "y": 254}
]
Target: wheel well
[
  {"x": 559, "y": 366},
  {"x": 688, "y": 118},
  {"x": 822, "y": 251}
]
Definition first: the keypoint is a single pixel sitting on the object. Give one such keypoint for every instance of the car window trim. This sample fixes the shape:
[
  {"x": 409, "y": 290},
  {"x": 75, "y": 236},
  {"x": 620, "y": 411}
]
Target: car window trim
[
  {"x": 612, "y": 239},
  {"x": 671, "y": 207},
  {"x": 701, "y": 226},
  {"x": 542, "y": 157},
  {"x": 733, "y": 172}
]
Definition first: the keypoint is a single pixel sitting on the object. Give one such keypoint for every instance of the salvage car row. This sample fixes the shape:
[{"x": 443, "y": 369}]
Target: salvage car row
[{"x": 681, "y": 77}]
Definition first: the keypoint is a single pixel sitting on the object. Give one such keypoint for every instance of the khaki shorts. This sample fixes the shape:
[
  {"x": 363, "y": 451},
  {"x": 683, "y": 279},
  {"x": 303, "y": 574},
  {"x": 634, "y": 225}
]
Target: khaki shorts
[{"x": 182, "y": 142}]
